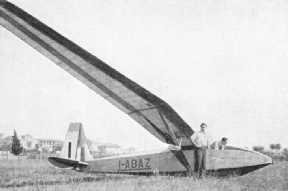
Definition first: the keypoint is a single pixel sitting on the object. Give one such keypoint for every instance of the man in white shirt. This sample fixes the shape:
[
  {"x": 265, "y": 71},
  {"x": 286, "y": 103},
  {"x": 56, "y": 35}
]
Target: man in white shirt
[
  {"x": 202, "y": 141},
  {"x": 219, "y": 145}
]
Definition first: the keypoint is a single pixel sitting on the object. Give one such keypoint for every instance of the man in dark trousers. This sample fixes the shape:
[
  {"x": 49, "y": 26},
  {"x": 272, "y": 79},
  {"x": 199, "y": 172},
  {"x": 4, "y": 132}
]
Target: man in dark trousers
[{"x": 202, "y": 141}]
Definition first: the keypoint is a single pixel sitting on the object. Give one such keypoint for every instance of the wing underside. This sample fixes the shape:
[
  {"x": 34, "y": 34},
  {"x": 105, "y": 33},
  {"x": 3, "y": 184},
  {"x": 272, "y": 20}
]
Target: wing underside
[{"x": 155, "y": 115}]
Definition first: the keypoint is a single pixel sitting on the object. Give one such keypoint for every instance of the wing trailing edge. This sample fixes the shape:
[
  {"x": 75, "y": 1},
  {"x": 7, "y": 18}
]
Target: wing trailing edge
[{"x": 155, "y": 115}]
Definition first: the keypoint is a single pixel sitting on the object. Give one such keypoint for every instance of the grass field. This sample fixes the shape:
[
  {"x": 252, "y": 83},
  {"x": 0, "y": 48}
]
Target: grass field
[{"x": 41, "y": 175}]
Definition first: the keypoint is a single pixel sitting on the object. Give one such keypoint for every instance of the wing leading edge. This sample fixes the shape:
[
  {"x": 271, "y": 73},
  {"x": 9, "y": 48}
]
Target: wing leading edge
[{"x": 148, "y": 110}]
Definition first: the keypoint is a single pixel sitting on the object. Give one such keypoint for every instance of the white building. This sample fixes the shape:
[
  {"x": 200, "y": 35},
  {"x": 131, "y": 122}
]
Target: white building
[
  {"x": 48, "y": 144},
  {"x": 28, "y": 143}
]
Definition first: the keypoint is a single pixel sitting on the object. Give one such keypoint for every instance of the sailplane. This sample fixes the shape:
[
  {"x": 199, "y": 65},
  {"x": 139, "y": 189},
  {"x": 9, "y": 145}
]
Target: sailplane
[{"x": 151, "y": 112}]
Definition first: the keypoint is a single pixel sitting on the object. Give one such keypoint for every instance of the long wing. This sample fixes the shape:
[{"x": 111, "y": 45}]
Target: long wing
[{"x": 148, "y": 110}]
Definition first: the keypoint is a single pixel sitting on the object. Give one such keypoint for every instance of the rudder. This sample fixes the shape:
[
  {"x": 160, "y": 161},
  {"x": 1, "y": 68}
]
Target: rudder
[{"x": 75, "y": 146}]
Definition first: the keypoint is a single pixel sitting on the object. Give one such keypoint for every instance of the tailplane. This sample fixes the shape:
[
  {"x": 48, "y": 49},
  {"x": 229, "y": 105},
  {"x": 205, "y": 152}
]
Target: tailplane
[{"x": 75, "y": 149}]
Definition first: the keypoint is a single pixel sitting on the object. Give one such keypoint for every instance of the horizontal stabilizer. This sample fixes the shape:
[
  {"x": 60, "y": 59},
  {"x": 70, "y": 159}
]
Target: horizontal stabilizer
[{"x": 67, "y": 163}]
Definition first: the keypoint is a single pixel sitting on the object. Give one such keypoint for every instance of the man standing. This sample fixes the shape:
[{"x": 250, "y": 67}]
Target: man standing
[
  {"x": 219, "y": 145},
  {"x": 202, "y": 141}
]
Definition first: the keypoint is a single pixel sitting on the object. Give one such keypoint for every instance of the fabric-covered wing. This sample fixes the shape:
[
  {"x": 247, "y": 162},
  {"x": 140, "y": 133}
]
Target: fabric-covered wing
[{"x": 148, "y": 110}]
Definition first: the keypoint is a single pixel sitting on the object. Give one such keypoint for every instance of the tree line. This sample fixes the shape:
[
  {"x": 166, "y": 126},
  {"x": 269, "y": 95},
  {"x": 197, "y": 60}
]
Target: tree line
[{"x": 274, "y": 147}]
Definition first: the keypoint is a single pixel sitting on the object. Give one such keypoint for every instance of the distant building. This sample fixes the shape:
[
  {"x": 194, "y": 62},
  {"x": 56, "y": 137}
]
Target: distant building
[
  {"x": 109, "y": 148},
  {"x": 26, "y": 137},
  {"x": 28, "y": 142},
  {"x": 48, "y": 144},
  {"x": 23, "y": 144},
  {"x": 32, "y": 144},
  {"x": 130, "y": 150}
]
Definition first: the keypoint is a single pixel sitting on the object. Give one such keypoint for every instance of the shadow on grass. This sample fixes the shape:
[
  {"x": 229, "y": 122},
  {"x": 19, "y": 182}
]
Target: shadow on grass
[{"x": 98, "y": 177}]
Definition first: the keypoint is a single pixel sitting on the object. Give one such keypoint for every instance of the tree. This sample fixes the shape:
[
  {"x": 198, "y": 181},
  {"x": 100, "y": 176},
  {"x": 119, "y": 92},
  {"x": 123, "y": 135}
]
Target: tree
[
  {"x": 16, "y": 147},
  {"x": 258, "y": 148},
  {"x": 6, "y": 146},
  {"x": 285, "y": 152},
  {"x": 276, "y": 147},
  {"x": 272, "y": 146}
]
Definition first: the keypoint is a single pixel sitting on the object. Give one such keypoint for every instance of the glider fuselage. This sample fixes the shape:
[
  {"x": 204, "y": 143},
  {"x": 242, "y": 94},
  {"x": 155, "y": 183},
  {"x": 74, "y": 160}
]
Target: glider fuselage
[{"x": 164, "y": 161}]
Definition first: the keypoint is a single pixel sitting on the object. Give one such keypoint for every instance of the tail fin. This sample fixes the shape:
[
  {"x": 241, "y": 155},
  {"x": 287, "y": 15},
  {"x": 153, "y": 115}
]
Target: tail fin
[
  {"x": 74, "y": 151},
  {"x": 75, "y": 146}
]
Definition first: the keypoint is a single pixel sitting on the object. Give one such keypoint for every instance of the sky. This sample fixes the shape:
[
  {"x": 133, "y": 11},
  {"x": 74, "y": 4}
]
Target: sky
[{"x": 223, "y": 63}]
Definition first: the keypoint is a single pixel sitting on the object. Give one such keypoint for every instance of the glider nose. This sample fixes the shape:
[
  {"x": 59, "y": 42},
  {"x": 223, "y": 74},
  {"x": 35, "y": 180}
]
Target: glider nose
[{"x": 267, "y": 159}]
